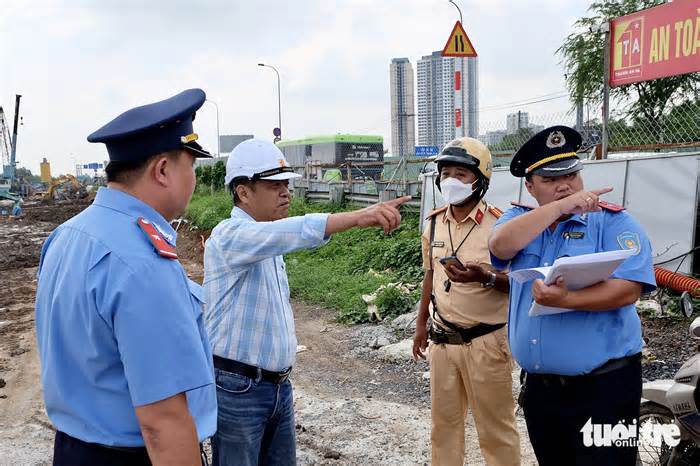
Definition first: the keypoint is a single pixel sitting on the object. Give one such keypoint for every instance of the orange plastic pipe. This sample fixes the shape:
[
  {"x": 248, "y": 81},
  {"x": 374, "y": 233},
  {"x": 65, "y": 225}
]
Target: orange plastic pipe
[{"x": 677, "y": 281}]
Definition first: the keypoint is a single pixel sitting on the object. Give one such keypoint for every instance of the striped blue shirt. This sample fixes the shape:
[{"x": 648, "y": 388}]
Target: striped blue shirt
[{"x": 248, "y": 315}]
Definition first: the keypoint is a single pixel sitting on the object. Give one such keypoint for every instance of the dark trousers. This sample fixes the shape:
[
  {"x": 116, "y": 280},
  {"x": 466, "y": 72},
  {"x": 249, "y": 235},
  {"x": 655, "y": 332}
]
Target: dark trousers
[
  {"x": 70, "y": 451},
  {"x": 557, "y": 411}
]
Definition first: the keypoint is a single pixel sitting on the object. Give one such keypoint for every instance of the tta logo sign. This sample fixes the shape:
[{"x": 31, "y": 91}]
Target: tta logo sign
[{"x": 628, "y": 48}]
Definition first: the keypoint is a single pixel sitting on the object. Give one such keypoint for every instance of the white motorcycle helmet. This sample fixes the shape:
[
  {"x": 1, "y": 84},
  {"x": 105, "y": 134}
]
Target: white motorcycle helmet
[{"x": 257, "y": 159}]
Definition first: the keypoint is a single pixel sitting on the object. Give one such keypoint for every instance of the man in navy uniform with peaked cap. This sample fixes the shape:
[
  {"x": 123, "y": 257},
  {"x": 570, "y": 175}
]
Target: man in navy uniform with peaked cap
[
  {"x": 126, "y": 365},
  {"x": 583, "y": 366}
]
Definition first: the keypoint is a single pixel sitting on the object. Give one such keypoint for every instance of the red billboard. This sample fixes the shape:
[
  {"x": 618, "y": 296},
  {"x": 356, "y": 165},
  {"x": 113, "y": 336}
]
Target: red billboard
[{"x": 655, "y": 43}]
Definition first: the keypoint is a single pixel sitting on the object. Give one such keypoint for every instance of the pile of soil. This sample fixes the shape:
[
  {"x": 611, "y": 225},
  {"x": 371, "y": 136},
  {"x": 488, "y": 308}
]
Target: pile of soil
[{"x": 668, "y": 346}]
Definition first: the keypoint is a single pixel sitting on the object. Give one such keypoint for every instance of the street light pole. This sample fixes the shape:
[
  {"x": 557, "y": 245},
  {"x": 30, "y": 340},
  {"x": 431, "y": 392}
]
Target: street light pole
[
  {"x": 279, "y": 98},
  {"x": 460, "y": 11},
  {"x": 218, "y": 135}
]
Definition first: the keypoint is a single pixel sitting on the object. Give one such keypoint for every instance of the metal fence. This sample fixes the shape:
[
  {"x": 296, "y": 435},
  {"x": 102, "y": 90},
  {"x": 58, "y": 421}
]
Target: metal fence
[{"x": 678, "y": 129}]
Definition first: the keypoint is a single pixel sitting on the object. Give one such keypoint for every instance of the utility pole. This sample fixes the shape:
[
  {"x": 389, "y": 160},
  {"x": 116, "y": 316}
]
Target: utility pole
[
  {"x": 605, "y": 27},
  {"x": 279, "y": 101}
]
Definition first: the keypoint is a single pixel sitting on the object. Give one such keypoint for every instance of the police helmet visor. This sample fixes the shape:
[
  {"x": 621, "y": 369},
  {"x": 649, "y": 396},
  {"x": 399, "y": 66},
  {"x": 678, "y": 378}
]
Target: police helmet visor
[{"x": 457, "y": 155}]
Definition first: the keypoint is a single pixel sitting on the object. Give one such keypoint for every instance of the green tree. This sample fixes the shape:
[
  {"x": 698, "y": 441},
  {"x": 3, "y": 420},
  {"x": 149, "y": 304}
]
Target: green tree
[
  {"x": 27, "y": 175},
  {"x": 682, "y": 124},
  {"x": 514, "y": 141},
  {"x": 582, "y": 56},
  {"x": 218, "y": 175},
  {"x": 204, "y": 176}
]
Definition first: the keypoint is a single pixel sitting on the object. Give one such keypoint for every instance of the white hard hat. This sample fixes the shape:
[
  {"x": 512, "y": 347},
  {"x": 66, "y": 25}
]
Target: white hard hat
[{"x": 257, "y": 159}]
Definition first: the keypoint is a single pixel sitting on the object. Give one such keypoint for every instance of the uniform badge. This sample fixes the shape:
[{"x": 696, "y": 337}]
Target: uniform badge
[
  {"x": 438, "y": 244},
  {"x": 479, "y": 216},
  {"x": 162, "y": 247},
  {"x": 555, "y": 139},
  {"x": 629, "y": 240},
  {"x": 574, "y": 234}
]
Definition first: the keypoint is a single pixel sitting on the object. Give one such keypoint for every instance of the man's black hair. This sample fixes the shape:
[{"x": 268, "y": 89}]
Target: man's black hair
[
  {"x": 239, "y": 181},
  {"x": 126, "y": 172}
]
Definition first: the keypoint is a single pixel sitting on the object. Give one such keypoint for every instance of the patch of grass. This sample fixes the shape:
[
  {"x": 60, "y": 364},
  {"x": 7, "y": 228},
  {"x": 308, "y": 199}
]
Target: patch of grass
[
  {"x": 392, "y": 301},
  {"x": 207, "y": 210},
  {"x": 353, "y": 263}
]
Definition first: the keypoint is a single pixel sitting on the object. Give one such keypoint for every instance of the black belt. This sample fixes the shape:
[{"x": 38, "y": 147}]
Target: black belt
[
  {"x": 71, "y": 451},
  {"x": 252, "y": 372},
  {"x": 462, "y": 336},
  {"x": 610, "y": 366}
]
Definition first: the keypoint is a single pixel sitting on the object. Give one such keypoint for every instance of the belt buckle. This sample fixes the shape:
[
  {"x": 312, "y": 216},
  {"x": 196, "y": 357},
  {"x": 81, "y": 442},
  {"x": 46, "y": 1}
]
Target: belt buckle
[{"x": 283, "y": 376}]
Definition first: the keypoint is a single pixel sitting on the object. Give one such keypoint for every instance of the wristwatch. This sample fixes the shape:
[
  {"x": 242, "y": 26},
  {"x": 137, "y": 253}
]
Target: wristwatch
[{"x": 492, "y": 280}]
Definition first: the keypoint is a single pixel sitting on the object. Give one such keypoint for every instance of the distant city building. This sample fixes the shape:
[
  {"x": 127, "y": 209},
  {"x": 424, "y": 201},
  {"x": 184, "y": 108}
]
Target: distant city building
[
  {"x": 403, "y": 119},
  {"x": 448, "y": 102},
  {"x": 322, "y": 153},
  {"x": 517, "y": 121},
  {"x": 536, "y": 128},
  {"x": 493, "y": 138},
  {"x": 45, "y": 170},
  {"x": 229, "y": 141}
]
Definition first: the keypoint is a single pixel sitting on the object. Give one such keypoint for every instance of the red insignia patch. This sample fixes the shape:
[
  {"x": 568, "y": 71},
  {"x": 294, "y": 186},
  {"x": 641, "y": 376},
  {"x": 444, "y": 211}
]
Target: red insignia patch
[
  {"x": 479, "y": 216},
  {"x": 162, "y": 247},
  {"x": 610, "y": 206}
]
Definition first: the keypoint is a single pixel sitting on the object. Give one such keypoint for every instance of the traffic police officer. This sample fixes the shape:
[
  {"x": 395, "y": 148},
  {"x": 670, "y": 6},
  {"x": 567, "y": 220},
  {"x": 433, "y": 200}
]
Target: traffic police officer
[
  {"x": 581, "y": 366},
  {"x": 470, "y": 364},
  {"x": 125, "y": 362}
]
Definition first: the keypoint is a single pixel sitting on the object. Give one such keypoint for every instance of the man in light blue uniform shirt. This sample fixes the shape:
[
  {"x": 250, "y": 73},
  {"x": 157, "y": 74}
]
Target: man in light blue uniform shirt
[
  {"x": 125, "y": 361},
  {"x": 248, "y": 314},
  {"x": 582, "y": 365}
]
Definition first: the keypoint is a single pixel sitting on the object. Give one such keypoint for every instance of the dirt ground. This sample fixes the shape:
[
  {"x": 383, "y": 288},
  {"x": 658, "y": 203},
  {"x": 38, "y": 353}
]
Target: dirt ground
[{"x": 351, "y": 407}]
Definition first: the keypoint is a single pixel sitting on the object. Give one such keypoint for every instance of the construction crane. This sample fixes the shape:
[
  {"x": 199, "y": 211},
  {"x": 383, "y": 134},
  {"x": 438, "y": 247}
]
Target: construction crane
[
  {"x": 9, "y": 166},
  {"x": 5, "y": 146},
  {"x": 8, "y": 154}
]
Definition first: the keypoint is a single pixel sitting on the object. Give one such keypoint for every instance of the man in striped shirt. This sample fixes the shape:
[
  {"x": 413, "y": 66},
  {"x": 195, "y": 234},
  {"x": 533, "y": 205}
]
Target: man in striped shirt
[{"x": 248, "y": 314}]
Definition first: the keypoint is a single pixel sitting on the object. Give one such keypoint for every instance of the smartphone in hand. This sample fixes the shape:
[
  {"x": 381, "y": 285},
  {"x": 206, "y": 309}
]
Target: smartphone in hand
[{"x": 452, "y": 260}]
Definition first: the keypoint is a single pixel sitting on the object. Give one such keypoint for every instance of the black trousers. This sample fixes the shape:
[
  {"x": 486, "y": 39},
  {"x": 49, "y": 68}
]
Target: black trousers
[
  {"x": 555, "y": 413},
  {"x": 70, "y": 451}
]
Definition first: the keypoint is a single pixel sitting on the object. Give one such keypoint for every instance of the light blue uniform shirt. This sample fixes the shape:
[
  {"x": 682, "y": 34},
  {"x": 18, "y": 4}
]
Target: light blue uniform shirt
[
  {"x": 118, "y": 326},
  {"x": 575, "y": 343},
  {"x": 248, "y": 314}
]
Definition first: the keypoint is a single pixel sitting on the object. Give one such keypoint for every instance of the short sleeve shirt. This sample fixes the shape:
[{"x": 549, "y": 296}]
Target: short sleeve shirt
[
  {"x": 465, "y": 304},
  {"x": 575, "y": 343},
  {"x": 118, "y": 326}
]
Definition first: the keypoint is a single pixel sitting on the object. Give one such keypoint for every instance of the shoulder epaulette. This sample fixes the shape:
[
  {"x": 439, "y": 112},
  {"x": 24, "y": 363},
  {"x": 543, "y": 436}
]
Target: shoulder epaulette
[
  {"x": 495, "y": 211},
  {"x": 524, "y": 206},
  {"x": 162, "y": 247},
  {"x": 436, "y": 211},
  {"x": 609, "y": 206}
]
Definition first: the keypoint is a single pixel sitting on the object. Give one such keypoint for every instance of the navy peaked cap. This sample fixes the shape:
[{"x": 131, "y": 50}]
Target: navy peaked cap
[
  {"x": 153, "y": 129},
  {"x": 551, "y": 152}
]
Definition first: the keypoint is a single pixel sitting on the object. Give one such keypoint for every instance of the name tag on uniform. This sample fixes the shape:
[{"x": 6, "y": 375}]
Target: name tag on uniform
[
  {"x": 574, "y": 234},
  {"x": 438, "y": 244}
]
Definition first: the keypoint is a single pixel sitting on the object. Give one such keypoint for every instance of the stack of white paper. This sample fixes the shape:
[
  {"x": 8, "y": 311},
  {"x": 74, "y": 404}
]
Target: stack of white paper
[{"x": 577, "y": 271}]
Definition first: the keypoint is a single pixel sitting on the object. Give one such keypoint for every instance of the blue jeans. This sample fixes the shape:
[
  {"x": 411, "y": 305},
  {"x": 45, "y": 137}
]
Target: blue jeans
[{"x": 255, "y": 425}]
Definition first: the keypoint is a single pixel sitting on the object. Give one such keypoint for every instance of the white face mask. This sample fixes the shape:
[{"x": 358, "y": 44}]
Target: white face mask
[{"x": 454, "y": 191}]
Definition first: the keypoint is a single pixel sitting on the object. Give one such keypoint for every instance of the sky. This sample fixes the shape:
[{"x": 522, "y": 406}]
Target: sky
[{"x": 78, "y": 64}]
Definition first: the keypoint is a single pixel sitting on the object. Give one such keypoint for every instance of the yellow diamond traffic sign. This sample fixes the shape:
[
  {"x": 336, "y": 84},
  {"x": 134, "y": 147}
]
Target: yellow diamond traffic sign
[{"x": 458, "y": 45}]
